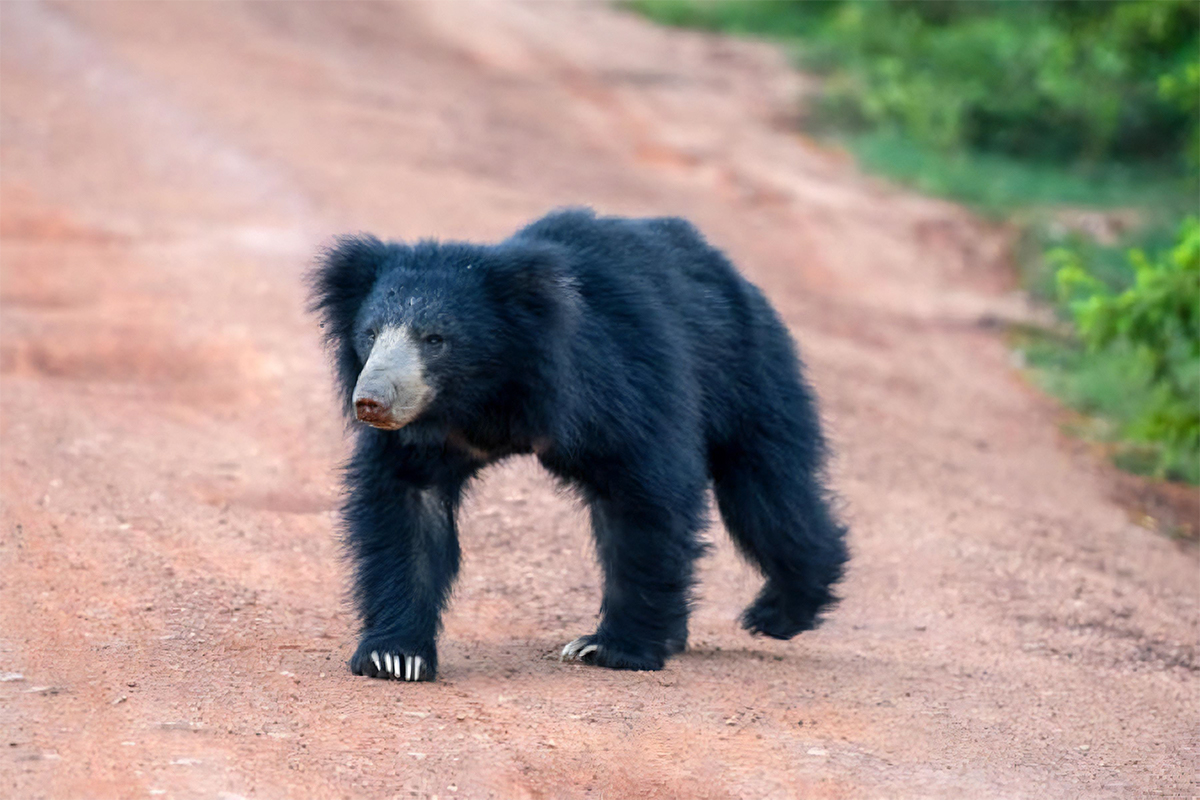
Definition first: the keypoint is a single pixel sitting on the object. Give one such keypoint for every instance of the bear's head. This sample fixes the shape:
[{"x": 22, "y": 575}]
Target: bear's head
[{"x": 452, "y": 333}]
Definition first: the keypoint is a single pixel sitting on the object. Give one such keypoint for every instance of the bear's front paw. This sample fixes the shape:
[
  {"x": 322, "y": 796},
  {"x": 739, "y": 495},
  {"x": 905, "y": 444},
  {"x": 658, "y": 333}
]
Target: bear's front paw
[
  {"x": 601, "y": 651},
  {"x": 377, "y": 658}
]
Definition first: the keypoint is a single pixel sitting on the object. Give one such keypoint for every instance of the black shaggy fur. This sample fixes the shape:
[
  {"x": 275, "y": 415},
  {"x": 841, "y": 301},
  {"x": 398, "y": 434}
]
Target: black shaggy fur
[{"x": 639, "y": 366}]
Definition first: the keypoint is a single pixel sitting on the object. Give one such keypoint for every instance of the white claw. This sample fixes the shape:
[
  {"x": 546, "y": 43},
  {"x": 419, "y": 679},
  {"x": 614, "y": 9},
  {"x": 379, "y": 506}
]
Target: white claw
[
  {"x": 576, "y": 650},
  {"x": 387, "y": 659},
  {"x": 375, "y": 658},
  {"x": 418, "y": 665},
  {"x": 396, "y": 665},
  {"x": 408, "y": 668}
]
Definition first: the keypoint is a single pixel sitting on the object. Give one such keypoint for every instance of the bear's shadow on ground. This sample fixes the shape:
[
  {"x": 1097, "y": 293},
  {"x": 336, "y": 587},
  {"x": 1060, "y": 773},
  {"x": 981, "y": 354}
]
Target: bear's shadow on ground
[{"x": 534, "y": 659}]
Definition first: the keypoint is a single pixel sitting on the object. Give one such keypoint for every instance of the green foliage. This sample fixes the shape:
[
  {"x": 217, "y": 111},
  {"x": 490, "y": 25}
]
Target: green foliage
[
  {"x": 1076, "y": 81},
  {"x": 1182, "y": 88},
  {"x": 771, "y": 18},
  {"x": 1143, "y": 348},
  {"x": 995, "y": 184},
  {"x": 1052, "y": 81}
]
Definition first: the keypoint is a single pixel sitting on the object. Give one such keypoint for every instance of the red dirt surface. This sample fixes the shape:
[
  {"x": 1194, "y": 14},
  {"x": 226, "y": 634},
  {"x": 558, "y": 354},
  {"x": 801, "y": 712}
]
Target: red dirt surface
[{"x": 172, "y": 603}]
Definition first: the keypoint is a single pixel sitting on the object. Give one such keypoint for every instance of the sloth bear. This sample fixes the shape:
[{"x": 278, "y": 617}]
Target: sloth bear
[{"x": 635, "y": 362}]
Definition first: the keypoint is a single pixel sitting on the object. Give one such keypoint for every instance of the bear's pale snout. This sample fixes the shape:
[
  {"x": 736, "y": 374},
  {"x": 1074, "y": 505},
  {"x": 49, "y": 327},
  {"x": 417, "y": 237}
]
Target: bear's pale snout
[{"x": 391, "y": 390}]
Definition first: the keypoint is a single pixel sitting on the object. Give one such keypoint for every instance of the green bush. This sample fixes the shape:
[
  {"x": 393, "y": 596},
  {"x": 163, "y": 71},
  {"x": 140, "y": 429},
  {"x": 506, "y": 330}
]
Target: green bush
[
  {"x": 1148, "y": 339},
  {"x": 771, "y": 18},
  {"x": 1057, "y": 80},
  {"x": 996, "y": 185},
  {"x": 1182, "y": 88}
]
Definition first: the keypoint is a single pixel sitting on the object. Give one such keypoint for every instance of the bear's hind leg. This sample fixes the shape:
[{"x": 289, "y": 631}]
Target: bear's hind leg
[{"x": 774, "y": 505}]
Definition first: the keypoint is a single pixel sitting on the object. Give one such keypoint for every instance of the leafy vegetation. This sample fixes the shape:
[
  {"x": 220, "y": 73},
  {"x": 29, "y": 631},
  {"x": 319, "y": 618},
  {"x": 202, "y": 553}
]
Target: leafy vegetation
[
  {"x": 1027, "y": 111},
  {"x": 998, "y": 185},
  {"x": 1138, "y": 363},
  {"x": 1061, "y": 80}
]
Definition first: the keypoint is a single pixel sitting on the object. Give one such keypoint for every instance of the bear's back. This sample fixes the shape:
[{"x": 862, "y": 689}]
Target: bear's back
[
  {"x": 666, "y": 304},
  {"x": 663, "y": 259}
]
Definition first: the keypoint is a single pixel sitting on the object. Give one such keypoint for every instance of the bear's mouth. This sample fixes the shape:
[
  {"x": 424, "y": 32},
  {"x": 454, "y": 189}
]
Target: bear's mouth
[
  {"x": 375, "y": 414},
  {"x": 385, "y": 418}
]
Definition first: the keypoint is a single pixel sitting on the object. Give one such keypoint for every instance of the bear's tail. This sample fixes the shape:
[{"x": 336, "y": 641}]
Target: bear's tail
[{"x": 769, "y": 485}]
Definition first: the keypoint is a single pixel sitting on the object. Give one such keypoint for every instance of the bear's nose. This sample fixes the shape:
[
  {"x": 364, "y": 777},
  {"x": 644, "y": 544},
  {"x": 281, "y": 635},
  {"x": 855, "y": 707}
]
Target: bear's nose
[{"x": 369, "y": 410}]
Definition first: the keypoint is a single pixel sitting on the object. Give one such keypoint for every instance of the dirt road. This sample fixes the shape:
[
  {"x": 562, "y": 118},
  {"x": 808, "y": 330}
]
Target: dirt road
[{"x": 172, "y": 615}]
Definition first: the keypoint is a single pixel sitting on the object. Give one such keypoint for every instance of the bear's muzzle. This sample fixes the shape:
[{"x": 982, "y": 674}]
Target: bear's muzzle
[{"x": 391, "y": 390}]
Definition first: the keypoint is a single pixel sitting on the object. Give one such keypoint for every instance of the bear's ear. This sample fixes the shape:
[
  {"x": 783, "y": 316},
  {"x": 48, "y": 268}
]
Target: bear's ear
[
  {"x": 338, "y": 285},
  {"x": 532, "y": 278}
]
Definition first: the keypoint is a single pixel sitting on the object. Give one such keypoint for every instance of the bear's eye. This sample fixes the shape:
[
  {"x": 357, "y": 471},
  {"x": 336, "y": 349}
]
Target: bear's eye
[
  {"x": 371, "y": 336},
  {"x": 433, "y": 338}
]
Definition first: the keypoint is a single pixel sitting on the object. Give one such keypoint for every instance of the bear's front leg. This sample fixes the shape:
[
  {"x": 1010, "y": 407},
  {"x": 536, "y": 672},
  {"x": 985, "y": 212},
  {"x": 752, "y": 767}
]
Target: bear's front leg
[
  {"x": 647, "y": 549},
  {"x": 404, "y": 545}
]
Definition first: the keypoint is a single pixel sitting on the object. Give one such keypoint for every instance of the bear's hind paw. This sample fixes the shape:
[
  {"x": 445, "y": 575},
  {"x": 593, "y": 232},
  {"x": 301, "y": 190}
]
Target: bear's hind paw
[{"x": 770, "y": 615}]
